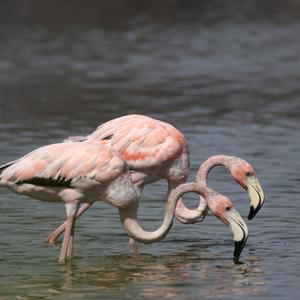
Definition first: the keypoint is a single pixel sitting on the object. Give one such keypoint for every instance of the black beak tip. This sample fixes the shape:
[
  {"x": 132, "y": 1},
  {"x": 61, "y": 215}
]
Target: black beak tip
[
  {"x": 238, "y": 248},
  {"x": 253, "y": 211}
]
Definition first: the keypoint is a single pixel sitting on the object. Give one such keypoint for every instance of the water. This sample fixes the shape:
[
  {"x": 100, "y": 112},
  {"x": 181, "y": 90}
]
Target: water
[{"x": 231, "y": 86}]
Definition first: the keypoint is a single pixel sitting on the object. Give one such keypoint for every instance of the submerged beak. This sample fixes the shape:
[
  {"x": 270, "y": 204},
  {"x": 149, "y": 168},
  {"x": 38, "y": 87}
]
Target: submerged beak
[
  {"x": 256, "y": 196},
  {"x": 240, "y": 232}
]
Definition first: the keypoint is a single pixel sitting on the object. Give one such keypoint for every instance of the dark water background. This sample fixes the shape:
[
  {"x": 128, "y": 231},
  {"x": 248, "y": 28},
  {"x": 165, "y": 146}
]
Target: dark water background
[{"x": 226, "y": 73}]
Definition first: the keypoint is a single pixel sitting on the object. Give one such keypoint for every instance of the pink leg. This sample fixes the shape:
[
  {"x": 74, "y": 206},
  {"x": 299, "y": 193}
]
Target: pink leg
[
  {"x": 52, "y": 238},
  {"x": 67, "y": 246},
  {"x": 71, "y": 243}
]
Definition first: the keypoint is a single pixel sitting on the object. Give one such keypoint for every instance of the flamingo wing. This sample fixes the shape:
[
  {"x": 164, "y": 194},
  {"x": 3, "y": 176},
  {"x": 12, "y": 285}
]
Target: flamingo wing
[
  {"x": 60, "y": 165},
  {"x": 142, "y": 141},
  {"x": 6, "y": 165}
]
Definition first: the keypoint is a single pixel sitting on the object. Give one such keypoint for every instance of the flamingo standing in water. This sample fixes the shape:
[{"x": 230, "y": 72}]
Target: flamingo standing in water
[
  {"x": 77, "y": 173},
  {"x": 156, "y": 150}
]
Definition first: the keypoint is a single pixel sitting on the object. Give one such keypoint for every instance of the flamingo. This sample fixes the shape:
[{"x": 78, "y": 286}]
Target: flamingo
[
  {"x": 77, "y": 173},
  {"x": 156, "y": 150}
]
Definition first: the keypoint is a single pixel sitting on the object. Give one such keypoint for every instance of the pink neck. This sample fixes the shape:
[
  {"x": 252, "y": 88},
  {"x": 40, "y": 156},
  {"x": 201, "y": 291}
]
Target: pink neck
[{"x": 213, "y": 161}]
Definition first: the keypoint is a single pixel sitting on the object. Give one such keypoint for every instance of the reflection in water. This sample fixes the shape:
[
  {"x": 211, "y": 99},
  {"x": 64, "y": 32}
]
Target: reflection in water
[
  {"x": 153, "y": 277},
  {"x": 242, "y": 280}
]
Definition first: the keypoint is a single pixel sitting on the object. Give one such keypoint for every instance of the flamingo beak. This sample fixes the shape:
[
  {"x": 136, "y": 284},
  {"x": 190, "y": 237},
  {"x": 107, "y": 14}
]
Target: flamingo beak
[
  {"x": 239, "y": 230},
  {"x": 256, "y": 196}
]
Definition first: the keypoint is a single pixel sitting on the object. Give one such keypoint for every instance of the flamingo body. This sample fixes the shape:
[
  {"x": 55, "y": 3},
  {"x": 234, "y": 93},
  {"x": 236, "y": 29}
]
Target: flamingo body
[
  {"x": 83, "y": 172},
  {"x": 72, "y": 173},
  {"x": 153, "y": 149}
]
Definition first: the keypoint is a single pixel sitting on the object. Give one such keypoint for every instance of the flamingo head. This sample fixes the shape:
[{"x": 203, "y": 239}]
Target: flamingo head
[
  {"x": 245, "y": 175},
  {"x": 224, "y": 209}
]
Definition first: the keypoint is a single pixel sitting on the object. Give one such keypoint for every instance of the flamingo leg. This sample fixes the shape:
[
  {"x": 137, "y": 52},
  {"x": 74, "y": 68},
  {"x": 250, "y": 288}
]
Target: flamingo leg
[
  {"x": 71, "y": 242},
  {"x": 67, "y": 246},
  {"x": 52, "y": 238}
]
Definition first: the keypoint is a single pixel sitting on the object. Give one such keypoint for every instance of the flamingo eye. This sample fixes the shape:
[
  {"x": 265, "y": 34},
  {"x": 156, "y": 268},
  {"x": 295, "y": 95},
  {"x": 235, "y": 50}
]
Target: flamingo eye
[{"x": 227, "y": 208}]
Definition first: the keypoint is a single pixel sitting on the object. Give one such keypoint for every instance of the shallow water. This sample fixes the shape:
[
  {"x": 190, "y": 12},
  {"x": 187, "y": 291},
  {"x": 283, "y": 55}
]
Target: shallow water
[{"x": 230, "y": 87}]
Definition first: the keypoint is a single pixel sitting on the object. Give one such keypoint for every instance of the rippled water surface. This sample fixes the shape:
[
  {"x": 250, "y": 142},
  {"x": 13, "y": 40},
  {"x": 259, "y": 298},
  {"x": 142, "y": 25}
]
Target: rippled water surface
[{"x": 230, "y": 87}]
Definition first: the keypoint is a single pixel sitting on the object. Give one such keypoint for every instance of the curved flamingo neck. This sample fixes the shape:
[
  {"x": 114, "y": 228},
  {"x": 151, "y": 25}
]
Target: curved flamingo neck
[
  {"x": 129, "y": 216},
  {"x": 211, "y": 162}
]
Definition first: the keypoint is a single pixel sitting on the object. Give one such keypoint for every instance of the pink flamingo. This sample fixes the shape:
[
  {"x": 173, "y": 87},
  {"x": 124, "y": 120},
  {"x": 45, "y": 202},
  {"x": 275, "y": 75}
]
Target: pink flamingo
[
  {"x": 77, "y": 173},
  {"x": 156, "y": 150}
]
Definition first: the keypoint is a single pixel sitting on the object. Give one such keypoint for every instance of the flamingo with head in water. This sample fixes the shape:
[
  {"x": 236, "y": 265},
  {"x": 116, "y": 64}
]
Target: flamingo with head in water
[
  {"x": 77, "y": 173},
  {"x": 156, "y": 150}
]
